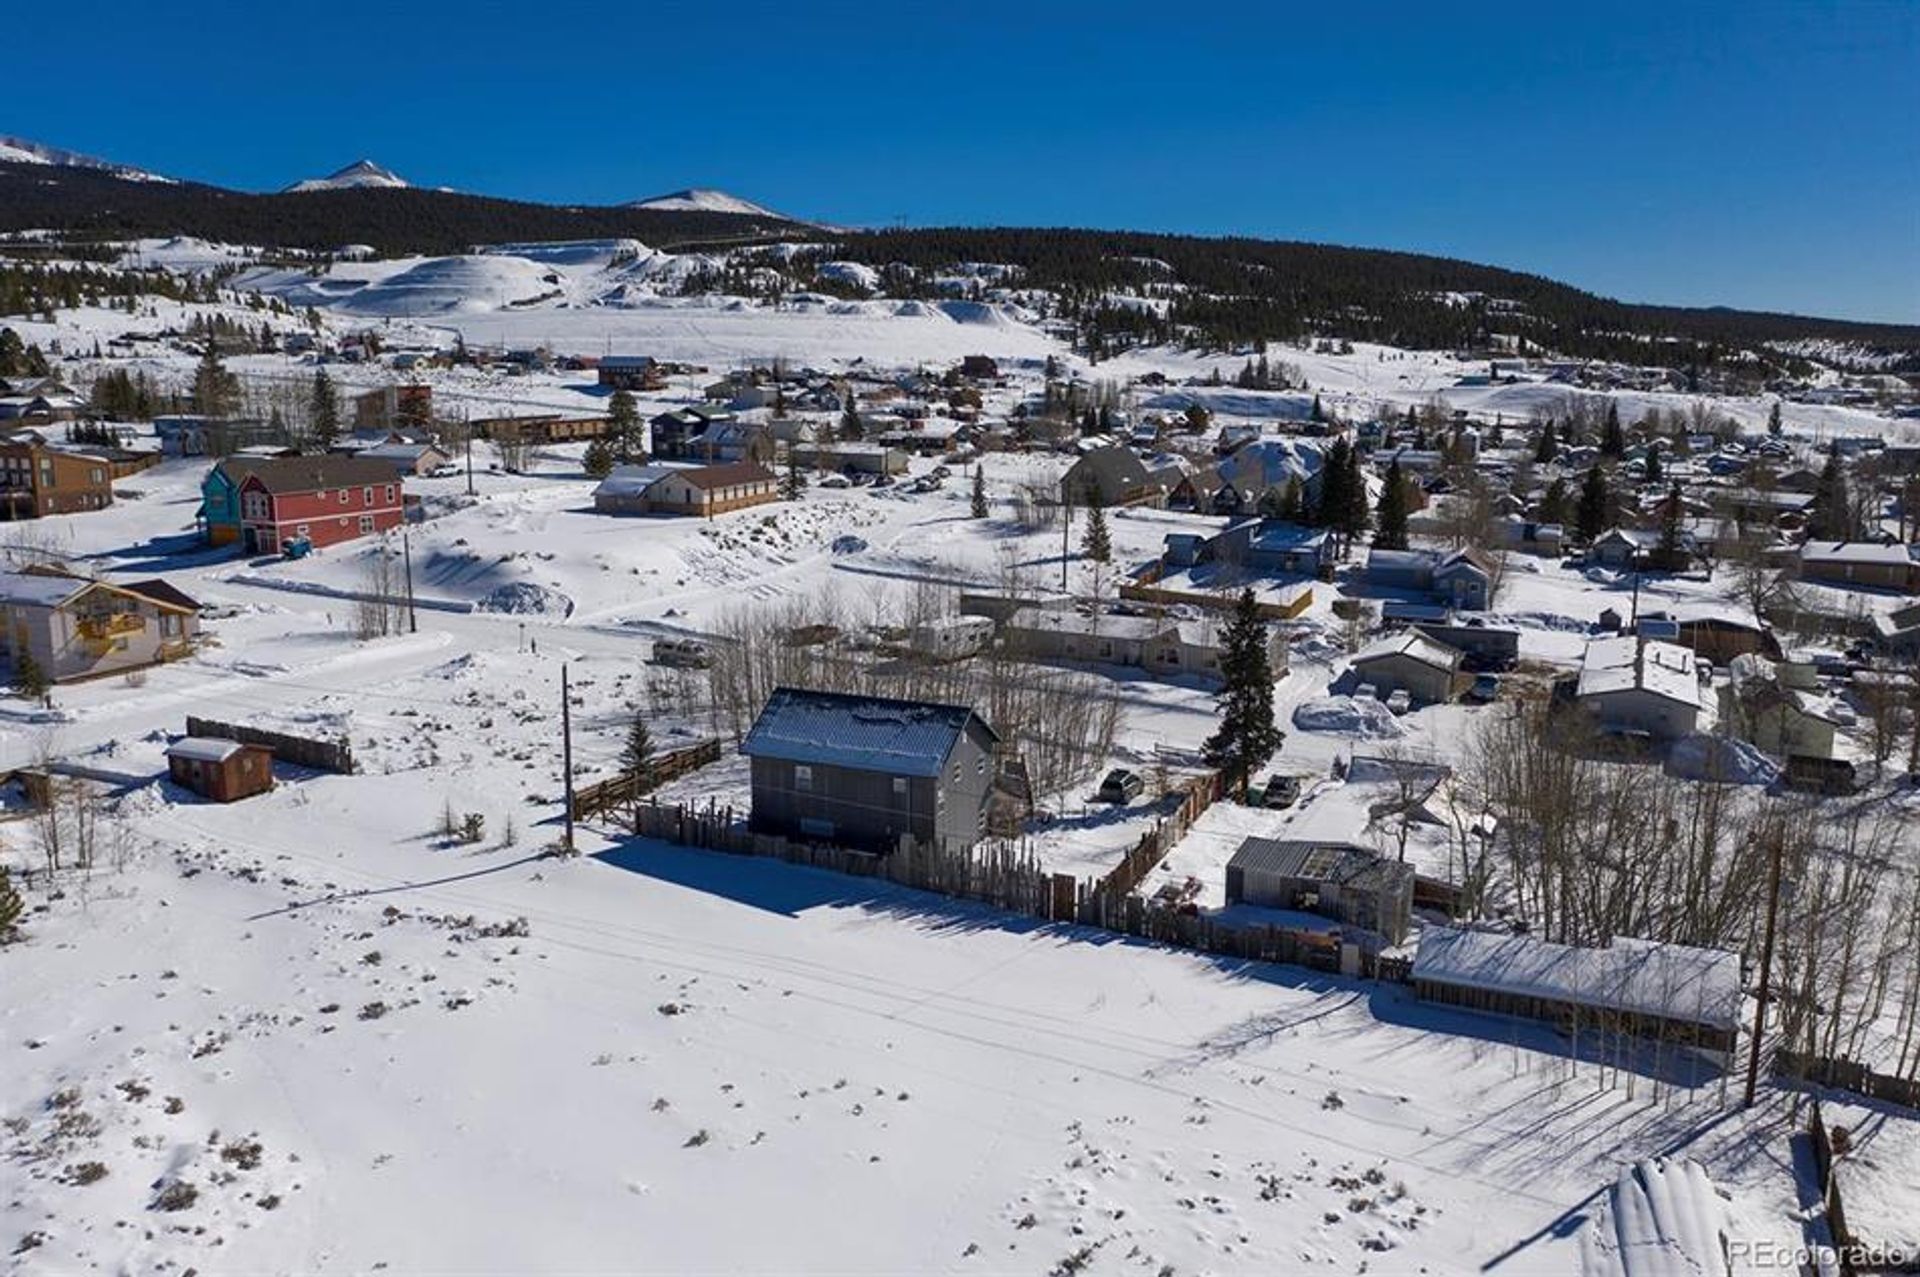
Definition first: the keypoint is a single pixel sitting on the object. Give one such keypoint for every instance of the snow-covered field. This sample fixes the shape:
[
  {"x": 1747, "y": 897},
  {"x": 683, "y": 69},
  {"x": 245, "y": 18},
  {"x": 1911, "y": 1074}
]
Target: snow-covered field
[{"x": 365, "y": 1045}]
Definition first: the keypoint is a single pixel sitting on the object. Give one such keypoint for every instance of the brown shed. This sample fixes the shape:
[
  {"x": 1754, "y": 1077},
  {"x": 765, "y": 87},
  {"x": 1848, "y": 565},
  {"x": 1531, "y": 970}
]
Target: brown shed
[{"x": 223, "y": 770}]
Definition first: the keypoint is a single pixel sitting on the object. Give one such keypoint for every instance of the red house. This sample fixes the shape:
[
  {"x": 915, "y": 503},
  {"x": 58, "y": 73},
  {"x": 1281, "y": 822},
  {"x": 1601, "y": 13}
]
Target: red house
[{"x": 325, "y": 499}]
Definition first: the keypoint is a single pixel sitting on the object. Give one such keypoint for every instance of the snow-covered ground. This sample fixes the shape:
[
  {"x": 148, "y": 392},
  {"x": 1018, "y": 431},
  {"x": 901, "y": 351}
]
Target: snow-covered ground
[{"x": 321, "y": 1013}]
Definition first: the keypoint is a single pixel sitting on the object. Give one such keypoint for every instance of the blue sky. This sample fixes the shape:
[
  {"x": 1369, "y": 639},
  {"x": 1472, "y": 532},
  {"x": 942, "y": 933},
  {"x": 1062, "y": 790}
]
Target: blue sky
[{"x": 1763, "y": 155}]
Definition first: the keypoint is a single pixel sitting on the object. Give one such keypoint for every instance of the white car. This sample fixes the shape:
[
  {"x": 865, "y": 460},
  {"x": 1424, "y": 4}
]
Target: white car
[
  {"x": 1366, "y": 692},
  {"x": 1399, "y": 701}
]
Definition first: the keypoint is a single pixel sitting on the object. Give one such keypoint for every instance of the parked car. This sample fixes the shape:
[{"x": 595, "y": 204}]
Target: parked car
[
  {"x": 1485, "y": 689},
  {"x": 1280, "y": 791},
  {"x": 836, "y": 481},
  {"x": 1399, "y": 700},
  {"x": 1366, "y": 692},
  {"x": 682, "y": 653},
  {"x": 1121, "y": 786}
]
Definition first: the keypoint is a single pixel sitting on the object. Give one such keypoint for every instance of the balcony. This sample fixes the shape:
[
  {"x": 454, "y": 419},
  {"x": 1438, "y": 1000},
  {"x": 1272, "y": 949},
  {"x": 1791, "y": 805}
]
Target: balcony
[{"x": 102, "y": 630}]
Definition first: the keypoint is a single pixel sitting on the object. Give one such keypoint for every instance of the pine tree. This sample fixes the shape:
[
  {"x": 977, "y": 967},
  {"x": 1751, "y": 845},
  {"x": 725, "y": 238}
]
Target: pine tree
[
  {"x": 1613, "y": 440},
  {"x": 597, "y": 461},
  {"x": 11, "y": 907},
  {"x": 1653, "y": 465},
  {"x": 1554, "y": 506},
  {"x": 1774, "y": 427},
  {"x": 29, "y": 677},
  {"x": 1098, "y": 544},
  {"x": 850, "y": 428},
  {"x": 323, "y": 409},
  {"x": 639, "y": 744},
  {"x": 1318, "y": 413},
  {"x": 1670, "y": 528},
  {"x": 623, "y": 427},
  {"x": 1354, "y": 517},
  {"x": 794, "y": 483},
  {"x": 1293, "y": 500},
  {"x": 215, "y": 390},
  {"x": 1391, "y": 514},
  {"x": 978, "y": 509},
  {"x": 13, "y": 354},
  {"x": 1549, "y": 446},
  {"x": 1829, "y": 522},
  {"x": 1247, "y": 735},
  {"x": 1590, "y": 518},
  {"x": 1329, "y": 509}
]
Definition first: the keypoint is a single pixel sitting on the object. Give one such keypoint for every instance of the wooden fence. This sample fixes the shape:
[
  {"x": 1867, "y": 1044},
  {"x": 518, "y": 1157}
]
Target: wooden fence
[
  {"x": 1829, "y": 1186},
  {"x": 626, "y": 789},
  {"x": 1142, "y": 858},
  {"x": 302, "y": 751},
  {"x": 1846, "y": 1075},
  {"x": 998, "y": 872}
]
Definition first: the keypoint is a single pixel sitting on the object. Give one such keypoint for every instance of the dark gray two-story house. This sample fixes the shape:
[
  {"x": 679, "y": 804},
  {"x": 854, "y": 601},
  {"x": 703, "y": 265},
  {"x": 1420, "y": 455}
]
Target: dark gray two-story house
[{"x": 864, "y": 771}]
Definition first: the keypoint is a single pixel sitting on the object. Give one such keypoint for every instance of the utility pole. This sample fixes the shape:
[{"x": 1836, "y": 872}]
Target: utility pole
[
  {"x": 1766, "y": 967},
  {"x": 1066, "y": 522},
  {"x": 469, "y": 432},
  {"x": 566, "y": 749},
  {"x": 406, "y": 551}
]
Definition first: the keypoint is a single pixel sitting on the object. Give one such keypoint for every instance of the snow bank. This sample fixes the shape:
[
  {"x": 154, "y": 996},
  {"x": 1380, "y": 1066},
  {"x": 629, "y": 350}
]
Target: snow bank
[
  {"x": 443, "y": 285},
  {"x": 524, "y": 598},
  {"x": 1366, "y": 719},
  {"x": 1661, "y": 1219},
  {"x": 1721, "y": 758}
]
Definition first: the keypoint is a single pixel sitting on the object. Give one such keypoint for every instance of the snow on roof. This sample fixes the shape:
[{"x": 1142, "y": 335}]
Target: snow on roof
[
  {"x": 631, "y": 481},
  {"x": 1143, "y": 628},
  {"x": 1411, "y": 644},
  {"x": 1700, "y": 986},
  {"x": 866, "y": 733},
  {"x": 397, "y": 451},
  {"x": 1856, "y": 552},
  {"x": 1628, "y": 663},
  {"x": 36, "y": 590},
  {"x": 204, "y": 749}
]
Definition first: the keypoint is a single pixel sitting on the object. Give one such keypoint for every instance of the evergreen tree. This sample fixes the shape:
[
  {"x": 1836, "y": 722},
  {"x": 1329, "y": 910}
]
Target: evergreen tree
[
  {"x": 323, "y": 410},
  {"x": 1097, "y": 544},
  {"x": 1318, "y": 413},
  {"x": 1293, "y": 500},
  {"x": 1549, "y": 446},
  {"x": 1829, "y": 521},
  {"x": 1330, "y": 509},
  {"x": 1613, "y": 440},
  {"x": 1247, "y": 735},
  {"x": 11, "y": 907},
  {"x": 1670, "y": 528},
  {"x": 1596, "y": 502},
  {"x": 29, "y": 677},
  {"x": 1391, "y": 515},
  {"x": 1554, "y": 506},
  {"x": 598, "y": 459},
  {"x": 978, "y": 509},
  {"x": 623, "y": 427},
  {"x": 13, "y": 354},
  {"x": 1354, "y": 517},
  {"x": 1653, "y": 465},
  {"x": 216, "y": 392},
  {"x": 850, "y": 422},
  {"x": 794, "y": 483},
  {"x": 638, "y": 747},
  {"x": 1774, "y": 427}
]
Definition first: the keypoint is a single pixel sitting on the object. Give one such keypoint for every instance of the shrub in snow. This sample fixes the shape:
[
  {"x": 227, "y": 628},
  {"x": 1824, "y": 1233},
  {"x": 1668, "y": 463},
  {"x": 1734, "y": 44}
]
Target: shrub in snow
[{"x": 175, "y": 1194}]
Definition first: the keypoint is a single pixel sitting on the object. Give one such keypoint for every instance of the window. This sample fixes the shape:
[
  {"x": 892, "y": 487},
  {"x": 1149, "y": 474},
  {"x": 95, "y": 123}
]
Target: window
[
  {"x": 299, "y": 529},
  {"x": 366, "y": 495},
  {"x": 96, "y": 475},
  {"x": 899, "y": 786},
  {"x": 344, "y": 494},
  {"x": 366, "y": 524},
  {"x": 389, "y": 494},
  {"x": 803, "y": 778},
  {"x": 956, "y": 773}
]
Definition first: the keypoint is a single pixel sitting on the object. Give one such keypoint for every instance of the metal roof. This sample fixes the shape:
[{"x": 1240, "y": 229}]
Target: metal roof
[
  {"x": 865, "y": 733},
  {"x": 205, "y": 749},
  {"x": 1668, "y": 980},
  {"x": 37, "y": 590},
  {"x": 1345, "y": 864}
]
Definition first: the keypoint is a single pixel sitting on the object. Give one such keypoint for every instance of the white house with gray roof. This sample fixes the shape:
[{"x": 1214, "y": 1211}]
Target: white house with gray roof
[{"x": 1637, "y": 684}]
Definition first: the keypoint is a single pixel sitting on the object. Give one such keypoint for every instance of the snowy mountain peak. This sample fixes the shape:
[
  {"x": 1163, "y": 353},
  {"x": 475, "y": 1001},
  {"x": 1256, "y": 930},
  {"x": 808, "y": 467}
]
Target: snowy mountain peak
[
  {"x": 704, "y": 200},
  {"x": 20, "y": 150},
  {"x": 358, "y": 173}
]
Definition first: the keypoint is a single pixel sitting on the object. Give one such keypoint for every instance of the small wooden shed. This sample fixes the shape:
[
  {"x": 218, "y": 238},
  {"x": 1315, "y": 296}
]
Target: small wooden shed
[{"x": 223, "y": 770}]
